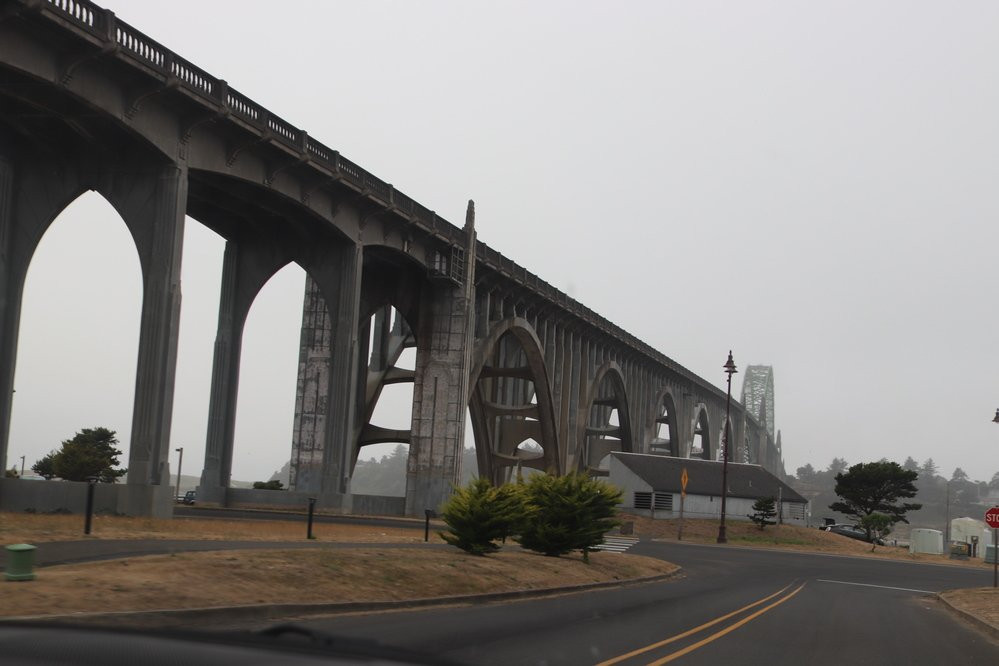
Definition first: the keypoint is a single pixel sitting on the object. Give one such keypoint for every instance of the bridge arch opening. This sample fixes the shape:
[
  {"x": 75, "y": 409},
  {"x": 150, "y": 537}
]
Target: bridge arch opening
[
  {"x": 79, "y": 337},
  {"x": 665, "y": 440},
  {"x": 387, "y": 381},
  {"x": 607, "y": 426},
  {"x": 510, "y": 404},
  {"x": 701, "y": 445},
  {"x": 268, "y": 376}
]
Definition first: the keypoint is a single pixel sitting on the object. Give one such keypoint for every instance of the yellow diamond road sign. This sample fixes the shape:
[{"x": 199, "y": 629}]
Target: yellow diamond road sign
[{"x": 683, "y": 482}]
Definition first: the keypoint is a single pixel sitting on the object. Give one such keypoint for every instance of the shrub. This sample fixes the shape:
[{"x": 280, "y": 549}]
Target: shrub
[
  {"x": 268, "y": 485},
  {"x": 763, "y": 511},
  {"x": 480, "y": 514},
  {"x": 567, "y": 513}
]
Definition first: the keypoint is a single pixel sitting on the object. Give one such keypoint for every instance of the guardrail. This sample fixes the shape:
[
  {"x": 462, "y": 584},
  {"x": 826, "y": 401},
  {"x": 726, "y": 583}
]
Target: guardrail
[{"x": 148, "y": 53}]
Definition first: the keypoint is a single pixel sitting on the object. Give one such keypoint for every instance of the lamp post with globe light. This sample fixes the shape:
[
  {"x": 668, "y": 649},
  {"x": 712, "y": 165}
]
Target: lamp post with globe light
[{"x": 729, "y": 370}]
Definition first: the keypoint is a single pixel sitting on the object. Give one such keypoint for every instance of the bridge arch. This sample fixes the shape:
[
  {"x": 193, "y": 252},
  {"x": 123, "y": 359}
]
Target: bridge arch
[
  {"x": 665, "y": 426},
  {"x": 58, "y": 359},
  {"x": 701, "y": 444},
  {"x": 510, "y": 402},
  {"x": 608, "y": 423}
]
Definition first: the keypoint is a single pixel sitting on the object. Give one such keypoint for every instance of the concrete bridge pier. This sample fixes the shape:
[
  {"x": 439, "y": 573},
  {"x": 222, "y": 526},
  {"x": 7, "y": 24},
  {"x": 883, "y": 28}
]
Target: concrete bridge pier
[
  {"x": 440, "y": 389},
  {"x": 151, "y": 200},
  {"x": 153, "y": 204}
]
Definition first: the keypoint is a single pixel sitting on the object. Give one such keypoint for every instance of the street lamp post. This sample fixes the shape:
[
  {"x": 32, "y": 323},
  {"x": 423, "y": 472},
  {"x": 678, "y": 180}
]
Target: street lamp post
[
  {"x": 727, "y": 437},
  {"x": 180, "y": 461}
]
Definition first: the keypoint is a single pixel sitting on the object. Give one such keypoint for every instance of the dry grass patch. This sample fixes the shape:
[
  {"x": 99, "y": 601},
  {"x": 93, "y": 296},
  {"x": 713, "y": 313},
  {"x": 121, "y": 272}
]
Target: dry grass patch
[
  {"x": 982, "y": 602},
  {"x": 192, "y": 580},
  {"x": 785, "y": 537},
  {"x": 39, "y": 528}
]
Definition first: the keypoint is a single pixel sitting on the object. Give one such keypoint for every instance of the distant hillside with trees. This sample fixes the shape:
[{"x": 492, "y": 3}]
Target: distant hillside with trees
[{"x": 967, "y": 497}]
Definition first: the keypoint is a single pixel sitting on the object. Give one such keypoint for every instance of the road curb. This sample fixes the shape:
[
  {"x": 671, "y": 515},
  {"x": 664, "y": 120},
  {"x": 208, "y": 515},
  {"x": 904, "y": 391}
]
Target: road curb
[
  {"x": 991, "y": 630},
  {"x": 243, "y": 613}
]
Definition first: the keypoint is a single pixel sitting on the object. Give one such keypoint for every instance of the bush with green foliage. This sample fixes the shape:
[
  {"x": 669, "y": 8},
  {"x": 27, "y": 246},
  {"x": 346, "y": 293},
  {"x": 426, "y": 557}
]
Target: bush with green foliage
[
  {"x": 571, "y": 512},
  {"x": 763, "y": 510},
  {"x": 90, "y": 453},
  {"x": 268, "y": 485},
  {"x": 877, "y": 526},
  {"x": 480, "y": 514}
]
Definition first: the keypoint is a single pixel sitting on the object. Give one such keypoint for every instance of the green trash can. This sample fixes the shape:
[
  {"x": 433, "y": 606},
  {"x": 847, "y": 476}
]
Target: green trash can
[{"x": 20, "y": 562}]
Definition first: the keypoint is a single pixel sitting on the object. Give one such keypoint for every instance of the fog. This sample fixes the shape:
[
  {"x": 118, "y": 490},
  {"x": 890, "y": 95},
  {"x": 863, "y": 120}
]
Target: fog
[{"x": 811, "y": 185}]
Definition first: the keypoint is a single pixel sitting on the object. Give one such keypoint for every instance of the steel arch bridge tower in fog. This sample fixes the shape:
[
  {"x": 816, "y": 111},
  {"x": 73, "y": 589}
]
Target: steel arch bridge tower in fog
[{"x": 88, "y": 102}]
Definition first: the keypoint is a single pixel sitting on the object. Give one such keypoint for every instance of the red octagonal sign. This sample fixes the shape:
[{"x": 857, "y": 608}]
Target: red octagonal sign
[{"x": 992, "y": 517}]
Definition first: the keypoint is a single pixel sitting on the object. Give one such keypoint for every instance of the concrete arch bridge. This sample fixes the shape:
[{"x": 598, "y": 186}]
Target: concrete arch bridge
[{"x": 88, "y": 102}]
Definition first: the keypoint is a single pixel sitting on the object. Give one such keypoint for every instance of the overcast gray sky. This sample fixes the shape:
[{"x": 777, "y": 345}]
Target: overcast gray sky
[{"x": 812, "y": 185}]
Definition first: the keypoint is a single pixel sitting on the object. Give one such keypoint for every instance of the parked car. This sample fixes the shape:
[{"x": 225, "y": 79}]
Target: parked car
[
  {"x": 189, "y": 497},
  {"x": 851, "y": 531}
]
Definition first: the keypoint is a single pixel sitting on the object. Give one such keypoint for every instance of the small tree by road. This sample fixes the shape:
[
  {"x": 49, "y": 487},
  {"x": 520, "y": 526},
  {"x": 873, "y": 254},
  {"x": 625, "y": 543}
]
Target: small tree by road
[
  {"x": 90, "y": 453},
  {"x": 764, "y": 510},
  {"x": 876, "y": 487},
  {"x": 877, "y": 526}
]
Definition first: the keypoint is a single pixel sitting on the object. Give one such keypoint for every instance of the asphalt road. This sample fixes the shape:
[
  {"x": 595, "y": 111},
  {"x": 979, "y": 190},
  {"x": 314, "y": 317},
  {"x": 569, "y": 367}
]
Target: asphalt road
[{"x": 733, "y": 605}]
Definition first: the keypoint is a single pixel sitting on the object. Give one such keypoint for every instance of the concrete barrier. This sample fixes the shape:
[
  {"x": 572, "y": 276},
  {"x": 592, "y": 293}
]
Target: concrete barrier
[{"x": 19, "y": 495}]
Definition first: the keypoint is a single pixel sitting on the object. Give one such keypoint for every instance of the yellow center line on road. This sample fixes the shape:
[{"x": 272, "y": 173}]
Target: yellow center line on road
[
  {"x": 715, "y": 636},
  {"x": 690, "y": 632}
]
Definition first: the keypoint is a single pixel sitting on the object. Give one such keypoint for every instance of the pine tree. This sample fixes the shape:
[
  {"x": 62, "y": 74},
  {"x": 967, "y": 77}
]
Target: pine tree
[
  {"x": 480, "y": 514},
  {"x": 763, "y": 510},
  {"x": 571, "y": 512}
]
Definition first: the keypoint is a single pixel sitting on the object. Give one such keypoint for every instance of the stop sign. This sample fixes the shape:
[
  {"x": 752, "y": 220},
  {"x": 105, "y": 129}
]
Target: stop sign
[{"x": 992, "y": 517}]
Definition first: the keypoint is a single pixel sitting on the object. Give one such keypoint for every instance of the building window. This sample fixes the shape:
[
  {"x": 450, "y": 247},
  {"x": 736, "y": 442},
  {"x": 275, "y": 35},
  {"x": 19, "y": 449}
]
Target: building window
[
  {"x": 643, "y": 500},
  {"x": 796, "y": 510}
]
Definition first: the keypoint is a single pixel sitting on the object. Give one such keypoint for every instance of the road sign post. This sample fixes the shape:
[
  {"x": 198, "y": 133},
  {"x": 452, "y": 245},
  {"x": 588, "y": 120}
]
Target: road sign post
[
  {"x": 992, "y": 520},
  {"x": 683, "y": 496}
]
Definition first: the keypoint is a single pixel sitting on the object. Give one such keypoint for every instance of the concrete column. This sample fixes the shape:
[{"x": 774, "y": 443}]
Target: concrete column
[
  {"x": 344, "y": 388},
  {"x": 11, "y": 287},
  {"x": 440, "y": 390},
  {"x": 247, "y": 265},
  {"x": 154, "y": 205},
  {"x": 312, "y": 392},
  {"x": 225, "y": 382}
]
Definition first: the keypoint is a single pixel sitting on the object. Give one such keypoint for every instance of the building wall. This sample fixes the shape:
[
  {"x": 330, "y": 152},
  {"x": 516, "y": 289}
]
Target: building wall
[{"x": 694, "y": 506}]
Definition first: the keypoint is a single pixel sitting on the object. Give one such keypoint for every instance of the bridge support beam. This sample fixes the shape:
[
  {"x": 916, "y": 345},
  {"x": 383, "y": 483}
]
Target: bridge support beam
[
  {"x": 11, "y": 287},
  {"x": 440, "y": 390},
  {"x": 154, "y": 204},
  {"x": 344, "y": 386}
]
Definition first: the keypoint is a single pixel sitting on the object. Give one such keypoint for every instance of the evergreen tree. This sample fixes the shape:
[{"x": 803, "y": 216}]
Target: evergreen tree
[
  {"x": 480, "y": 514},
  {"x": 805, "y": 474},
  {"x": 571, "y": 512},
  {"x": 875, "y": 488},
  {"x": 45, "y": 466},
  {"x": 837, "y": 466},
  {"x": 877, "y": 526},
  {"x": 910, "y": 464},
  {"x": 929, "y": 468},
  {"x": 763, "y": 510},
  {"x": 90, "y": 453}
]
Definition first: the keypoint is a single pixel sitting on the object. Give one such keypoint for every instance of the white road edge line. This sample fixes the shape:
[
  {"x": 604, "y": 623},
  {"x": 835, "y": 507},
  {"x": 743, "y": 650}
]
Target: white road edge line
[{"x": 883, "y": 587}]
